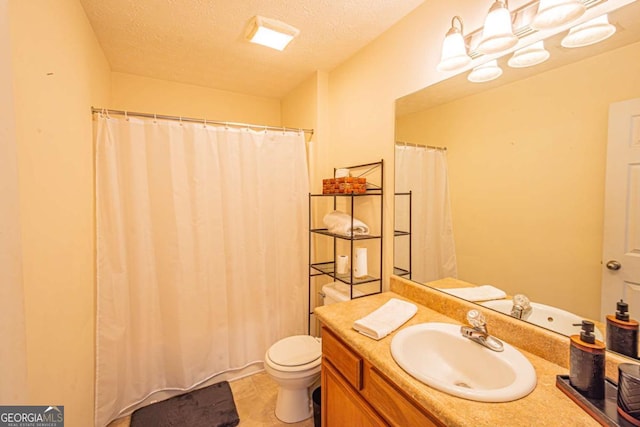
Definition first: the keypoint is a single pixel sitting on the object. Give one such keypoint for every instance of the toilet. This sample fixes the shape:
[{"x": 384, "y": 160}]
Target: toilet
[{"x": 294, "y": 364}]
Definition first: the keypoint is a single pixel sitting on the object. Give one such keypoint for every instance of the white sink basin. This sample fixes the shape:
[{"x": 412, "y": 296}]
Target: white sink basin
[
  {"x": 555, "y": 319},
  {"x": 439, "y": 356}
]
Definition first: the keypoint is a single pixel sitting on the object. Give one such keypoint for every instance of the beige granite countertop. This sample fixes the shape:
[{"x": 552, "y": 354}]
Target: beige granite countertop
[{"x": 545, "y": 406}]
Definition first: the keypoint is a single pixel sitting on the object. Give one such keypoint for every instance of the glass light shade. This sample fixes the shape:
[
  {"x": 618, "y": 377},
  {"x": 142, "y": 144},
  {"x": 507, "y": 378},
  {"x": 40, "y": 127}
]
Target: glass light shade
[
  {"x": 589, "y": 32},
  {"x": 497, "y": 33},
  {"x": 454, "y": 50},
  {"x": 554, "y": 13},
  {"x": 529, "y": 56},
  {"x": 485, "y": 72},
  {"x": 454, "y": 53}
]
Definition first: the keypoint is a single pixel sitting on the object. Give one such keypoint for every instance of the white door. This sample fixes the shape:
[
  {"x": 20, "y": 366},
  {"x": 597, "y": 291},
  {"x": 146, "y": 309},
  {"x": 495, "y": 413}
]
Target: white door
[{"x": 621, "y": 245}]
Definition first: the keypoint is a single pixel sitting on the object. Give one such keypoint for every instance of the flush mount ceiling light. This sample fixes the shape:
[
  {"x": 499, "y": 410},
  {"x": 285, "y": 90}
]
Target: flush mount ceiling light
[
  {"x": 485, "y": 72},
  {"x": 554, "y": 13},
  {"x": 270, "y": 32},
  {"x": 497, "y": 33},
  {"x": 529, "y": 56},
  {"x": 454, "y": 50},
  {"x": 589, "y": 32}
]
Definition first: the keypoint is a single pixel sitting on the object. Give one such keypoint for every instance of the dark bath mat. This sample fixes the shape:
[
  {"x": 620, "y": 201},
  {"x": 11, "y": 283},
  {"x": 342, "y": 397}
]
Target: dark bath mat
[{"x": 211, "y": 406}]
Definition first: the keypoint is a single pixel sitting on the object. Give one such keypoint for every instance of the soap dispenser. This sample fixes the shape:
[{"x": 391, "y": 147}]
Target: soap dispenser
[
  {"x": 622, "y": 332},
  {"x": 586, "y": 362}
]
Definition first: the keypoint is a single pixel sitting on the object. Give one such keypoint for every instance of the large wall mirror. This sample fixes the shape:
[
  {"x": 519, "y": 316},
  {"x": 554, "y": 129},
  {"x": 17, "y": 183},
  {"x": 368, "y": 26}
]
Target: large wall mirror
[{"x": 524, "y": 172}]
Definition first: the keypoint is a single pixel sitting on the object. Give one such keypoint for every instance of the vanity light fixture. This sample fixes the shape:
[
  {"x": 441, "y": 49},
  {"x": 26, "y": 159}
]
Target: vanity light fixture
[
  {"x": 590, "y": 32},
  {"x": 454, "y": 51},
  {"x": 529, "y": 56},
  {"x": 270, "y": 32},
  {"x": 497, "y": 33},
  {"x": 485, "y": 72},
  {"x": 554, "y": 13}
]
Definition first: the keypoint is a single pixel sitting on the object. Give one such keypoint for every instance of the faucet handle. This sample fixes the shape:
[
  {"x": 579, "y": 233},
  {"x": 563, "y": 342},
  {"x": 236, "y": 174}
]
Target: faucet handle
[
  {"x": 476, "y": 319},
  {"x": 521, "y": 306},
  {"x": 522, "y": 301}
]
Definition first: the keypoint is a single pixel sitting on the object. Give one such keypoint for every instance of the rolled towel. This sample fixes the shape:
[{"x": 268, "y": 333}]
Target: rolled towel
[
  {"x": 385, "y": 319},
  {"x": 477, "y": 293},
  {"x": 340, "y": 223}
]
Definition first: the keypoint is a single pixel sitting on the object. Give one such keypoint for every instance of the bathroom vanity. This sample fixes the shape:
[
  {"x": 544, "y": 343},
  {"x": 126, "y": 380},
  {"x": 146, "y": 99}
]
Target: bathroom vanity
[
  {"x": 363, "y": 385},
  {"x": 354, "y": 392}
]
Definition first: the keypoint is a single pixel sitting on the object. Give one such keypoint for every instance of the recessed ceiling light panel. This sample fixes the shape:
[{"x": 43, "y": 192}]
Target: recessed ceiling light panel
[{"x": 270, "y": 32}]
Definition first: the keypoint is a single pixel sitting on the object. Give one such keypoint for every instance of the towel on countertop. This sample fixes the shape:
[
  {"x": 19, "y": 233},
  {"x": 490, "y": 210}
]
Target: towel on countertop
[
  {"x": 340, "y": 223},
  {"x": 385, "y": 319},
  {"x": 478, "y": 293}
]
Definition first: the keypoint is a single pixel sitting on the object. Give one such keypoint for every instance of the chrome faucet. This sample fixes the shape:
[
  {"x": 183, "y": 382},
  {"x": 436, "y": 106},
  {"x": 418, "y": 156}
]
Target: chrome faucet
[
  {"x": 477, "y": 332},
  {"x": 521, "y": 307}
]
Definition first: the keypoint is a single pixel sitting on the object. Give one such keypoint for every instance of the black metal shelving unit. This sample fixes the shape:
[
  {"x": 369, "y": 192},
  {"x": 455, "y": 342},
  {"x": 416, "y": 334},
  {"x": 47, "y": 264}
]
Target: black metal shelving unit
[
  {"x": 405, "y": 235},
  {"x": 326, "y": 268}
]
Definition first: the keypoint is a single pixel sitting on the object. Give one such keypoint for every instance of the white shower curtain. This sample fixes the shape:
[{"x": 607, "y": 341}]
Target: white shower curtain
[
  {"x": 201, "y": 243},
  {"x": 423, "y": 171}
]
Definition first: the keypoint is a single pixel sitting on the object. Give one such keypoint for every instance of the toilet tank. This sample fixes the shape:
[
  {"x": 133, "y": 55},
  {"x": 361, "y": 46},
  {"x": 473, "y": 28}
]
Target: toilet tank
[{"x": 337, "y": 292}]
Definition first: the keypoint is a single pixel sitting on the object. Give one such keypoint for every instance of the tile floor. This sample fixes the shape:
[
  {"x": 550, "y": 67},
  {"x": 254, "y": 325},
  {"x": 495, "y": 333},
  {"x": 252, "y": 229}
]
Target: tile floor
[{"x": 255, "y": 398}]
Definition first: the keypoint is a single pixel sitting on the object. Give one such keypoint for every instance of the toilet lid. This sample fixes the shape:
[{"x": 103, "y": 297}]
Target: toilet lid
[{"x": 295, "y": 351}]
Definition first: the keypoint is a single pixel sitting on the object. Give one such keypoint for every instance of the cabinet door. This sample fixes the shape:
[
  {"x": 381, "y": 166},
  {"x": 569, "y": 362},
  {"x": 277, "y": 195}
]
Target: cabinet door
[
  {"x": 341, "y": 405},
  {"x": 391, "y": 404}
]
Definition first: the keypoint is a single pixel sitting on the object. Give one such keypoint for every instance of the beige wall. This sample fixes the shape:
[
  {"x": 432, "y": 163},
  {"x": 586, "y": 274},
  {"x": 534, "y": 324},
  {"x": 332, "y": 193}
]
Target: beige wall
[
  {"x": 306, "y": 107},
  {"x": 59, "y": 72},
  {"x": 13, "y": 364},
  {"x": 147, "y": 95},
  {"x": 526, "y": 165}
]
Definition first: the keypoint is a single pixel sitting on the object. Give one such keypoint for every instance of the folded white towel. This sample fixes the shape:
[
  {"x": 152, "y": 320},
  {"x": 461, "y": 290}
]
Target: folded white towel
[
  {"x": 340, "y": 223},
  {"x": 477, "y": 293},
  {"x": 385, "y": 319}
]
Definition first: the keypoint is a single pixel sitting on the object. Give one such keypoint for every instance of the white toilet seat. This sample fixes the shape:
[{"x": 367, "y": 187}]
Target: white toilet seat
[{"x": 297, "y": 353}]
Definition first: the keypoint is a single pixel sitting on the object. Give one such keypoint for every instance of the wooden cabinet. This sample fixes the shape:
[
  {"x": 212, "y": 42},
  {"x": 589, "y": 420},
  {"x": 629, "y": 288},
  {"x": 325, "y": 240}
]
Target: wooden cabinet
[
  {"x": 355, "y": 393},
  {"x": 342, "y": 405}
]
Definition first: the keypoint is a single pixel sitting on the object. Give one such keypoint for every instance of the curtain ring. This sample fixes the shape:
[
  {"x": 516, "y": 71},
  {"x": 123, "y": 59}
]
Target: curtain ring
[
  {"x": 155, "y": 118},
  {"x": 204, "y": 125},
  {"x": 126, "y": 117},
  {"x": 180, "y": 120}
]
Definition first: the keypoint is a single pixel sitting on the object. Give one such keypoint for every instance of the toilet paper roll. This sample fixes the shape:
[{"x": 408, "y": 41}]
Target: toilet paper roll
[
  {"x": 341, "y": 264},
  {"x": 360, "y": 263}
]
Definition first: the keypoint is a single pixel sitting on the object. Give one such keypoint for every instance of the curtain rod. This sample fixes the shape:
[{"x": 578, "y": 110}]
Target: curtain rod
[
  {"x": 412, "y": 144},
  {"x": 192, "y": 120}
]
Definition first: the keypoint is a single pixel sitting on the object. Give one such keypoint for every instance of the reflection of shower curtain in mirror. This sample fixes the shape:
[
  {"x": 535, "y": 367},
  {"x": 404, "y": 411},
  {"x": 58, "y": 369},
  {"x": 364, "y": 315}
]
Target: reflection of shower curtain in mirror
[{"x": 423, "y": 171}]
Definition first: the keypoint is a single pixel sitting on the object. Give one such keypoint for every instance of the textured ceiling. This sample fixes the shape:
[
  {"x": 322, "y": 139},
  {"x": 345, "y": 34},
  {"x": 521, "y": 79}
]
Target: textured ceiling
[{"x": 201, "y": 41}]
